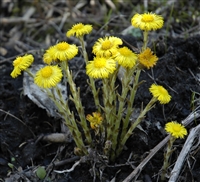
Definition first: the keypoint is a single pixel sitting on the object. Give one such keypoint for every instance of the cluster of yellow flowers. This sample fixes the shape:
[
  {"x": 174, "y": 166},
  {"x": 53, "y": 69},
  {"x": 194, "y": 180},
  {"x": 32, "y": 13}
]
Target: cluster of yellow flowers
[{"x": 110, "y": 55}]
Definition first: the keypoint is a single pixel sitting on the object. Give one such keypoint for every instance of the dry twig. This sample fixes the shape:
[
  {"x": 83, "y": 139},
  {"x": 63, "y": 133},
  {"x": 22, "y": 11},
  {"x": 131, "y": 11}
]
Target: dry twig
[
  {"x": 136, "y": 172},
  {"x": 73, "y": 167},
  {"x": 194, "y": 133}
]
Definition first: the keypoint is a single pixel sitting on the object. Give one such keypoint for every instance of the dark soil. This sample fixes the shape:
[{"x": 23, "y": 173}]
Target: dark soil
[{"x": 23, "y": 123}]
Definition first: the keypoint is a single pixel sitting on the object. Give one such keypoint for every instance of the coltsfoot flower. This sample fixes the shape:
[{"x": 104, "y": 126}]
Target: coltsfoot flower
[
  {"x": 79, "y": 30},
  {"x": 147, "y": 58},
  {"x": 95, "y": 120},
  {"x": 107, "y": 46},
  {"x": 126, "y": 57},
  {"x": 100, "y": 67},
  {"x": 48, "y": 56},
  {"x": 21, "y": 63},
  {"x": 176, "y": 130},
  {"x": 147, "y": 21},
  {"x": 65, "y": 51},
  {"x": 48, "y": 77},
  {"x": 160, "y": 93}
]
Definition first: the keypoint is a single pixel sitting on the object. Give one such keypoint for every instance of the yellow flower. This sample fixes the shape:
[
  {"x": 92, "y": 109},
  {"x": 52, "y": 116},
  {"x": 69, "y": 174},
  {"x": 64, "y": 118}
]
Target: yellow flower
[
  {"x": 48, "y": 77},
  {"x": 176, "y": 129},
  {"x": 48, "y": 56},
  {"x": 100, "y": 67},
  {"x": 79, "y": 30},
  {"x": 160, "y": 93},
  {"x": 21, "y": 63},
  {"x": 107, "y": 46},
  {"x": 65, "y": 51},
  {"x": 126, "y": 57},
  {"x": 147, "y": 21},
  {"x": 147, "y": 58},
  {"x": 95, "y": 120}
]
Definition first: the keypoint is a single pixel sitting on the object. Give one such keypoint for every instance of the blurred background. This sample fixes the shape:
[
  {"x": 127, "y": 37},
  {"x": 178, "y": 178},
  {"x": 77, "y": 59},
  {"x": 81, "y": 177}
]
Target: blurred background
[{"x": 36, "y": 24}]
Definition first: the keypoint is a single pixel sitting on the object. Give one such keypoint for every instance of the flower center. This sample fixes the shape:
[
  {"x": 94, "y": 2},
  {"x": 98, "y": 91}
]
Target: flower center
[
  {"x": 124, "y": 51},
  {"x": 99, "y": 63},
  {"x": 144, "y": 58},
  {"x": 78, "y": 26},
  {"x": 146, "y": 55},
  {"x": 62, "y": 46},
  {"x": 147, "y": 18},
  {"x": 162, "y": 90},
  {"x": 176, "y": 128},
  {"x": 46, "y": 72},
  {"x": 106, "y": 45},
  {"x": 17, "y": 61}
]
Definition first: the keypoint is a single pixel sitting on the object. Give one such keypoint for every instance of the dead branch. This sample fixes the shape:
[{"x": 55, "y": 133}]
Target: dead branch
[
  {"x": 194, "y": 115},
  {"x": 194, "y": 133},
  {"x": 63, "y": 162},
  {"x": 82, "y": 159},
  {"x": 139, "y": 168},
  {"x": 16, "y": 20}
]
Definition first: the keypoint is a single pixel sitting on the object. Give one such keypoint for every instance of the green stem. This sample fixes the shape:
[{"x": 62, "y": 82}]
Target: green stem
[
  {"x": 91, "y": 80},
  {"x": 125, "y": 131},
  {"x": 64, "y": 110},
  {"x": 145, "y": 40},
  {"x": 135, "y": 124},
  {"x": 130, "y": 102},
  {"x": 85, "y": 55},
  {"x": 77, "y": 101},
  {"x": 122, "y": 101},
  {"x": 29, "y": 72},
  {"x": 112, "y": 90},
  {"x": 95, "y": 93},
  {"x": 107, "y": 105},
  {"x": 166, "y": 157},
  {"x": 109, "y": 108}
]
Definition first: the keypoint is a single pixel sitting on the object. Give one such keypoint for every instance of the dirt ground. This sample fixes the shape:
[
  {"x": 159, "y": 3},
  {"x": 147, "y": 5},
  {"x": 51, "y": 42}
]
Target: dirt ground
[{"x": 23, "y": 124}]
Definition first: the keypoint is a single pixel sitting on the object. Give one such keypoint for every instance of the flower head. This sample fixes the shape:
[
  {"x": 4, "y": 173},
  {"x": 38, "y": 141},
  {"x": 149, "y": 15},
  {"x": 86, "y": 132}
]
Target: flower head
[
  {"x": 160, "y": 93},
  {"x": 126, "y": 57},
  {"x": 147, "y": 58},
  {"x": 107, "y": 46},
  {"x": 79, "y": 30},
  {"x": 20, "y": 64},
  {"x": 147, "y": 21},
  {"x": 64, "y": 51},
  {"x": 100, "y": 67},
  {"x": 48, "y": 56},
  {"x": 48, "y": 77},
  {"x": 175, "y": 129},
  {"x": 95, "y": 120}
]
